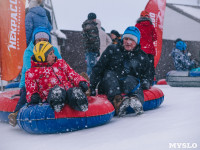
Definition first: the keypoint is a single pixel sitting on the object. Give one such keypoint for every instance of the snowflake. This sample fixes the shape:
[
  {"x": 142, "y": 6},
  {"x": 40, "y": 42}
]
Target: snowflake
[
  {"x": 36, "y": 70},
  {"x": 47, "y": 71},
  {"x": 55, "y": 69},
  {"x": 45, "y": 92},
  {"x": 32, "y": 85},
  {"x": 30, "y": 75},
  {"x": 53, "y": 80}
]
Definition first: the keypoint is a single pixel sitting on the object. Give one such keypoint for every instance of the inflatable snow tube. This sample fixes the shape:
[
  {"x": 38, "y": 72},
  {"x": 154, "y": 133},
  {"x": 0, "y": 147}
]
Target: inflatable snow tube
[
  {"x": 7, "y": 104},
  {"x": 162, "y": 82},
  {"x": 183, "y": 78},
  {"x": 41, "y": 119},
  {"x": 153, "y": 98},
  {"x": 12, "y": 85}
]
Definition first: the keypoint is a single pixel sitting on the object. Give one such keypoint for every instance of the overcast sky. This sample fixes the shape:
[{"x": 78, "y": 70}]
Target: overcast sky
[{"x": 114, "y": 14}]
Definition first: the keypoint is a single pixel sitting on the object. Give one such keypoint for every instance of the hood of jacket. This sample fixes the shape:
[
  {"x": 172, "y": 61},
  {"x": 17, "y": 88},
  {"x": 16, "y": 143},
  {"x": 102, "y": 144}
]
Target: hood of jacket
[
  {"x": 144, "y": 21},
  {"x": 40, "y": 29},
  {"x": 98, "y": 23},
  {"x": 38, "y": 11}
]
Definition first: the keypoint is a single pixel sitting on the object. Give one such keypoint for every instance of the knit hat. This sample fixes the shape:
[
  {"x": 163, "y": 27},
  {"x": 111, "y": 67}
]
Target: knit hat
[
  {"x": 144, "y": 13},
  {"x": 115, "y": 33},
  {"x": 41, "y": 50},
  {"x": 133, "y": 33},
  {"x": 181, "y": 45},
  {"x": 40, "y": 35},
  {"x": 92, "y": 16}
]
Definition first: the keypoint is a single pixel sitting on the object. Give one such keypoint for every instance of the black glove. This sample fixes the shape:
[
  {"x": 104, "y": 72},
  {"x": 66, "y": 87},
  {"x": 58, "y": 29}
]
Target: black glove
[
  {"x": 57, "y": 98},
  {"x": 83, "y": 85},
  {"x": 145, "y": 84},
  {"x": 35, "y": 99},
  {"x": 92, "y": 92}
]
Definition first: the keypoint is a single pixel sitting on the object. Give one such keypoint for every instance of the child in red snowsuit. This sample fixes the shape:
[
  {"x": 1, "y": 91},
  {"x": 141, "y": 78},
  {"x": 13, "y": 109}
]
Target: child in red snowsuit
[{"x": 53, "y": 80}]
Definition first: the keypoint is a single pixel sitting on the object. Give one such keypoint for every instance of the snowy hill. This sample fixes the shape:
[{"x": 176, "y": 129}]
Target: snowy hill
[{"x": 176, "y": 121}]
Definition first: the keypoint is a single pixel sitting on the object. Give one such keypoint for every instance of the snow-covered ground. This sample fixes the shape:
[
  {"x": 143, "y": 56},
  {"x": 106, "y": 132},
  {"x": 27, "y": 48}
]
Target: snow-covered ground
[{"x": 176, "y": 122}]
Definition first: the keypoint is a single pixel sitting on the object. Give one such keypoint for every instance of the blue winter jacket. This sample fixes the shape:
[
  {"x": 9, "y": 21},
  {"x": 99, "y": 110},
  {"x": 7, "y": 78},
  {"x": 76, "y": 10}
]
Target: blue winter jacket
[
  {"x": 29, "y": 52},
  {"x": 36, "y": 17},
  {"x": 181, "y": 61}
]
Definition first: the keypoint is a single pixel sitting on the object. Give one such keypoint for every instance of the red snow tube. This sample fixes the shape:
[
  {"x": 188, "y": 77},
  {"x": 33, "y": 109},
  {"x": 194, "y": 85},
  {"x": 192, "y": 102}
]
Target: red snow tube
[
  {"x": 7, "y": 105},
  {"x": 162, "y": 82}
]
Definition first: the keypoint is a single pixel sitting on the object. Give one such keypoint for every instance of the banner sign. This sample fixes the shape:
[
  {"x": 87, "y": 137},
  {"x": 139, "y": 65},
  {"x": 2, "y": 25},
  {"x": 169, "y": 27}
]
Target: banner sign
[{"x": 12, "y": 38}]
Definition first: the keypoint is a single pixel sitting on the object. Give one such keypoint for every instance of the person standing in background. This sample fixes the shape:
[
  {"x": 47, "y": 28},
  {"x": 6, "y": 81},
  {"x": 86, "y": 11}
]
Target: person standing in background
[
  {"x": 115, "y": 36},
  {"x": 35, "y": 17},
  {"x": 148, "y": 36},
  {"x": 91, "y": 41}
]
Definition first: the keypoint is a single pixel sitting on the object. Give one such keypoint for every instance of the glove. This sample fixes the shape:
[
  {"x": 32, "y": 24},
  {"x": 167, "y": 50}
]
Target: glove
[
  {"x": 56, "y": 98},
  {"x": 83, "y": 85},
  {"x": 92, "y": 92},
  {"x": 35, "y": 99},
  {"x": 145, "y": 84}
]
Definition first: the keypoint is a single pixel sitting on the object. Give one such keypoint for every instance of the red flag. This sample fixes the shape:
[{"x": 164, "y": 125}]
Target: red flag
[
  {"x": 156, "y": 9},
  {"x": 12, "y": 37}
]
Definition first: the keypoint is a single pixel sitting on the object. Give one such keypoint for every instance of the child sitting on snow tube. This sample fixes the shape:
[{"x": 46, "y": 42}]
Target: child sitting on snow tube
[{"x": 52, "y": 80}]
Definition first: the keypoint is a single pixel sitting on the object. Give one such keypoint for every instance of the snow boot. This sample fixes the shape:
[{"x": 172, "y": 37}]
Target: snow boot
[
  {"x": 135, "y": 103},
  {"x": 78, "y": 100},
  {"x": 120, "y": 103},
  {"x": 13, "y": 119}
]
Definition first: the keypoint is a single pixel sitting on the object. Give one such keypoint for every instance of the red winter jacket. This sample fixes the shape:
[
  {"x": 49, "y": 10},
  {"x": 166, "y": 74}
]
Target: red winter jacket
[
  {"x": 41, "y": 77},
  {"x": 148, "y": 35}
]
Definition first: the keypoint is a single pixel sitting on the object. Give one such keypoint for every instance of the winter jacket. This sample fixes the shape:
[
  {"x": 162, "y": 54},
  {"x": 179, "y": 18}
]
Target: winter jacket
[
  {"x": 181, "y": 61},
  {"x": 123, "y": 63},
  {"x": 91, "y": 36},
  {"x": 148, "y": 35},
  {"x": 41, "y": 77},
  {"x": 105, "y": 40},
  {"x": 36, "y": 17},
  {"x": 29, "y": 52}
]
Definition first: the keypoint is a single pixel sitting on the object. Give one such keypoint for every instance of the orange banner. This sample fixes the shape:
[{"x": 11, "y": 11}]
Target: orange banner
[
  {"x": 12, "y": 37},
  {"x": 156, "y": 9}
]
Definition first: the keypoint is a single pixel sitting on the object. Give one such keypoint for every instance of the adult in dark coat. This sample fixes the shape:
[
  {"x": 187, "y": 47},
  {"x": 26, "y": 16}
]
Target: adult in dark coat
[
  {"x": 122, "y": 73},
  {"x": 91, "y": 41}
]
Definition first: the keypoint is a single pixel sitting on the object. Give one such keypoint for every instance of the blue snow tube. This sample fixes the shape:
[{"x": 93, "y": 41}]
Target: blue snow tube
[
  {"x": 41, "y": 119},
  {"x": 12, "y": 85}
]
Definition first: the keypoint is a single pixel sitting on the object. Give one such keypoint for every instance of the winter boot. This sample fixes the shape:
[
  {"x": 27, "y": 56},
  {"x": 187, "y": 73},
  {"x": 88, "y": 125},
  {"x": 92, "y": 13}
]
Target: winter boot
[
  {"x": 84, "y": 75},
  {"x": 136, "y": 105},
  {"x": 120, "y": 103},
  {"x": 13, "y": 119},
  {"x": 78, "y": 100}
]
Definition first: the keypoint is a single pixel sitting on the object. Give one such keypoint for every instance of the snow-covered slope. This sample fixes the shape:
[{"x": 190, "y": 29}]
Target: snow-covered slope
[{"x": 176, "y": 121}]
